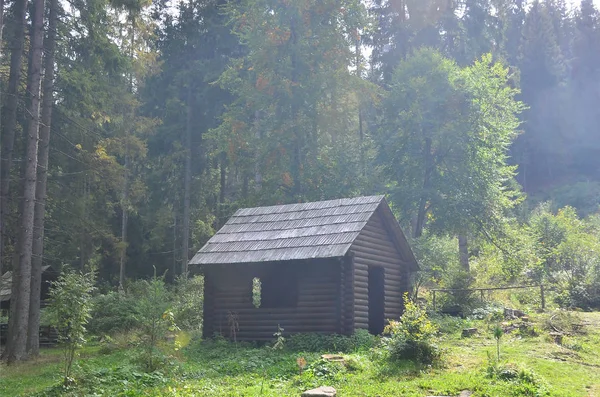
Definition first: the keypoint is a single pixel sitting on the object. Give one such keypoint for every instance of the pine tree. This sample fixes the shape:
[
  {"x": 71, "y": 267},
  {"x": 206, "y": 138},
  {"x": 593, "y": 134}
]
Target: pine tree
[
  {"x": 33, "y": 342},
  {"x": 542, "y": 71},
  {"x": 21, "y": 285}
]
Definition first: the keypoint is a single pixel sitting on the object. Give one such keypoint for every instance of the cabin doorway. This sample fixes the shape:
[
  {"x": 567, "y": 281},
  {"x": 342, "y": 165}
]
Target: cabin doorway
[{"x": 376, "y": 300}]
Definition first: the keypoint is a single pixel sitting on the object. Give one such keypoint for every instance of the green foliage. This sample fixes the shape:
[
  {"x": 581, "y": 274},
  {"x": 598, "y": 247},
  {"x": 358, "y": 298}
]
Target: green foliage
[
  {"x": 279, "y": 342},
  {"x": 361, "y": 340},
  {"x": 70, "y": 310},
  {"x": 113, "y": 313},
  {"x": 155, "y": 320},
  {"x": 443, "y": 142},
  {"x": 412, "y": 336},
  {"x": 436, "y": 256},
  {"x": 570, "y": 252},
  {"x": 498, "y": 332},
  {"x": 188, "y": 299},
  {"x": 524, "y": 381}
]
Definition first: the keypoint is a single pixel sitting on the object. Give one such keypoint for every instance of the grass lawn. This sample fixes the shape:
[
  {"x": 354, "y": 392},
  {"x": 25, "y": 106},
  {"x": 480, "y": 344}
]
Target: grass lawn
[{"x": 224, "y": 369}]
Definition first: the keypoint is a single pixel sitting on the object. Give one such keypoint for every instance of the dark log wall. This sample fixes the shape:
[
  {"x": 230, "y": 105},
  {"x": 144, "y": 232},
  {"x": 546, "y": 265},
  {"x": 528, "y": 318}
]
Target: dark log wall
[
  {"x": 228, "y": 292},
  {"x": 375, "y": 247},
  {"x": 347, "y": 295}
]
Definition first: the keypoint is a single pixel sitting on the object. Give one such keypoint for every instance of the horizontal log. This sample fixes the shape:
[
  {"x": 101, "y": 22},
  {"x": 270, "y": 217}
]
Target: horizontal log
[
  {"x": 282, "y": 321},
  {"x": 290, "y": 329},
  {"x": 361, "y": 289},
  {"x": 362, "y": 302},
  {"x": 375, "y": 253},
  {"x": 365, "y": 259},
  {"x": 384, "y": 250},
  {"x": 362, "y": 280}
]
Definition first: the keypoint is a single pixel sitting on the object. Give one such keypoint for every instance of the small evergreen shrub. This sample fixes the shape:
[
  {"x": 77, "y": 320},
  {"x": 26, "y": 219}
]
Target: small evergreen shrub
[{"x": 412, "y": 336}]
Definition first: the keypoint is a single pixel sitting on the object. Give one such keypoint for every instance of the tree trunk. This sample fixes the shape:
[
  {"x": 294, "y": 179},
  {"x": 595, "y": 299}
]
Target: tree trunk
[
  {"x": 33, "y": 340},
  {"x": 20, "y": 294},
  {"x": 10, "y": 113},
  {"x": 124, "y": 220},
  {"x": 1, "y": 93},
  {"x": 428, "y": 161},
  {"x": 463, "y": 249},
  {"x": 223, "y": 187},
  {"x": 187, "y": 185}
]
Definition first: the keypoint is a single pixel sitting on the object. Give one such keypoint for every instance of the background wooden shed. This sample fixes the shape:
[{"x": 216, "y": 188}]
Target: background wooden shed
[{"x": 330, "y": 266}]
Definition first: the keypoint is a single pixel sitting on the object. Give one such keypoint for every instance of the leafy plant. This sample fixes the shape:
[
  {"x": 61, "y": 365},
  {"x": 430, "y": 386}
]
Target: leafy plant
[
  {"x": 155, "y": 319},
  {"x": 412, "y": 336},
  {"x": 113, "y": 313},
  {"x": 188, "y": 298},
  {"x": 359, "y": 341},
  {"x": 69, "y": 312},
  {"x": 498, "y": 332},
  {"x": 279, "y": 339}
]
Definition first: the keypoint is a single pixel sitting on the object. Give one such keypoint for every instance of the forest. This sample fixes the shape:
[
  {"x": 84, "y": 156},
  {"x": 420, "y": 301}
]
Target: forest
[{"x": 131, "y": 131}]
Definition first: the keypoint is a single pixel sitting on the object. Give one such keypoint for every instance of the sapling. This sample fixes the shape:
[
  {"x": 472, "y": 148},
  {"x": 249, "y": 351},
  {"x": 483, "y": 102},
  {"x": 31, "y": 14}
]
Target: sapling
[
  {"x": 69, "y": 311},
  {"x": 498, "y": 332}
]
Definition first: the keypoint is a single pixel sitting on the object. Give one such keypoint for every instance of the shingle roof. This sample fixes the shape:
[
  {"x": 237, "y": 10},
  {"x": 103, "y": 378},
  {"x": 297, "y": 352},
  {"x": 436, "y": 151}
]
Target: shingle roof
[
  {"x": 6, "y": 284},
  {"x": 322, "y": 229}
]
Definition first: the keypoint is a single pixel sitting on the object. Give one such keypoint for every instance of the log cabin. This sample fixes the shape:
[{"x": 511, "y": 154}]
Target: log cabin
[{"x": 331, "y": 267}]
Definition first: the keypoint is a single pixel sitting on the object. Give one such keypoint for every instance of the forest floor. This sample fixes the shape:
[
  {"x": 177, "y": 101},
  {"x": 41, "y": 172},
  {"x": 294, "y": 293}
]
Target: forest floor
[{"x": 540, "y": 367}]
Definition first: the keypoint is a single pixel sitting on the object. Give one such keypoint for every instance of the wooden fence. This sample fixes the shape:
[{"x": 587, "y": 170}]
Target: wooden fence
[{"x": 482, "y": 290}]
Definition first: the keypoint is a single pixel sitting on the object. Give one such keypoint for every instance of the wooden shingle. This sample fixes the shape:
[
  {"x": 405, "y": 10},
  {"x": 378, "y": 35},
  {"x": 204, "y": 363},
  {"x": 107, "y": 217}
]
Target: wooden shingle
[{"x": 322, "y": 229}]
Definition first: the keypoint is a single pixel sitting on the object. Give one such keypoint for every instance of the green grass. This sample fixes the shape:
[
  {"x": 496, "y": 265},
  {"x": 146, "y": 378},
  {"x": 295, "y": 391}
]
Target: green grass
[{"x": 224, "y": 369}]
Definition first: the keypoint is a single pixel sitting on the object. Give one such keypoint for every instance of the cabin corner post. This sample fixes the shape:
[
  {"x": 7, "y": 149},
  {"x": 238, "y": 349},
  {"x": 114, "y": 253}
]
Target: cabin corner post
[
  {"x": 350, "y": 293},
  {"x": 208, "y": 307}
]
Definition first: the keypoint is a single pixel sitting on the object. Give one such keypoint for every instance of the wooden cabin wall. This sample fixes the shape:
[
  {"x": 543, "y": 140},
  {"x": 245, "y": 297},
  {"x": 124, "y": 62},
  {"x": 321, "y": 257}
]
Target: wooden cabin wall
[
  {"x": 228, "y": 291},
  {"x": 375, "y": 247},
  {"x": 347, "y": 295}
]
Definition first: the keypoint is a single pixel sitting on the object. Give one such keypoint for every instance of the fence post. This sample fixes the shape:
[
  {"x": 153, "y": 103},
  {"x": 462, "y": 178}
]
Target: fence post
[
  {"x": 543, "y": 297},
  {"x": 433, "y": 299},
  {"x": 482, "y": 298}
]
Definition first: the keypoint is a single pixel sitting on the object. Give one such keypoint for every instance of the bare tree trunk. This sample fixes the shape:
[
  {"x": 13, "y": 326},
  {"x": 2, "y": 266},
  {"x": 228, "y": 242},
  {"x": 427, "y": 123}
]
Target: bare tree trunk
[
  {"x": 33, "y": 340},
  {"x": 20, "y": 294},
  {"x": 187, "y": 185},
  {"x": 463, "y": 249},
  {"x": 10, "y": 113}
]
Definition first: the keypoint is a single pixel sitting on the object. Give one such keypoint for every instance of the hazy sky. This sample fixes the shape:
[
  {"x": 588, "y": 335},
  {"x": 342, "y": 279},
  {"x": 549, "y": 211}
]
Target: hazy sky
[{"x": 577, "y": 2}]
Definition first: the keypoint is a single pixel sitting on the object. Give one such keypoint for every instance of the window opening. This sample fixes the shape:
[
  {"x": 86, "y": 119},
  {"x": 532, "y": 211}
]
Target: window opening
[
  {"x": 277, "y": 289},
  {"x": 256, "y": 292}
]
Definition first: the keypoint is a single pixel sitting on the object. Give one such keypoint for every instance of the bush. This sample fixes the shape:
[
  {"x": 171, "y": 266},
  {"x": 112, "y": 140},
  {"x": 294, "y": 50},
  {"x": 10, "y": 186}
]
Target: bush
[
  {"x": 188, "y": 298},
  {"x": 412, "y": 336},
  {"x": 113, "y": 313},
  {"x": 69, "y": 312},
  {"x": 525, "y": 381},
  {"x": 459, "y": 302},
  {"x": 155, "y": 321}
]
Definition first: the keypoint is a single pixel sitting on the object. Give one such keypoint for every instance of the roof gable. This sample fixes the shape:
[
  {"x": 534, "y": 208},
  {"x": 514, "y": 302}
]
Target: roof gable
[{"x": 322, "y": 229}]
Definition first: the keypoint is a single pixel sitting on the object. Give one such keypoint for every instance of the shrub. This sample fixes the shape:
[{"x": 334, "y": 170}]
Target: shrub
[
  {"x": 463, "y": 300},
  {"x": 412, "y": 336},
  {"x": 113, "y": 313},
  {"x": 155, "y": 320},
  {"x": 69, "y": 312},
  {"x": 188, "y": 298},
  {"x": 525, "y": 382}
]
